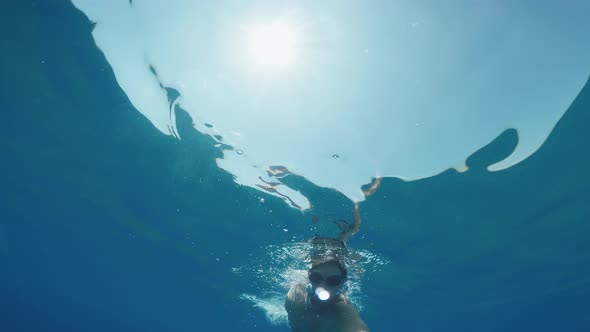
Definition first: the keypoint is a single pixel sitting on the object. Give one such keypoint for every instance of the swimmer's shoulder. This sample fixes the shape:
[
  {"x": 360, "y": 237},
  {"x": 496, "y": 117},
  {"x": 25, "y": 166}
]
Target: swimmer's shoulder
[
  {"x": 295, "y": 303},
  {"x": 345, "y": 317},
  {"x": 297, "y": 295}
]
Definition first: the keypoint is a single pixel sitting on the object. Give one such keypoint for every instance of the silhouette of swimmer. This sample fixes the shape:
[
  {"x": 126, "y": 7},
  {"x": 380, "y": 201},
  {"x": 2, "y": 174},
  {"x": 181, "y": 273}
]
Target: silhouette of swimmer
[{"x": 321, "y": 306}]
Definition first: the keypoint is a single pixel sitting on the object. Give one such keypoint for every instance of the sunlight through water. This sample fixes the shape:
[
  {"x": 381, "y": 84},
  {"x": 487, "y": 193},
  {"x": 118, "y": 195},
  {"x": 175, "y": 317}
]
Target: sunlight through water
[
  {"x": 273, "y": 44},
  {"x": 343, "y": 92}
]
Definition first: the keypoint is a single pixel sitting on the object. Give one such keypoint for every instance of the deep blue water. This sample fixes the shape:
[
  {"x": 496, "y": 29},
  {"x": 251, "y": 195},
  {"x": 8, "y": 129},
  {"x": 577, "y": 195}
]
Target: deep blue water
[{"x": 108, "y": 225}]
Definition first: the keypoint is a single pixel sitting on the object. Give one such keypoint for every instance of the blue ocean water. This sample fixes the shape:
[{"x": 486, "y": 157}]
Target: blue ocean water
[{"x": 107, "y": 224}]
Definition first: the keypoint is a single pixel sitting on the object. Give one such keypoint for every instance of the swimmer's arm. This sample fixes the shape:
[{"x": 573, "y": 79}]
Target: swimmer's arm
[
  {"x": 295, "y": 306},
  {"x": 356, "y": 224}
]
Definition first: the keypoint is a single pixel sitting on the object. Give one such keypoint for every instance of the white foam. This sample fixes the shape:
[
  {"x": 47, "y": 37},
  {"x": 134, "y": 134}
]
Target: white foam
[
  {"x": 272, "y": 305},
  {"x": 275, "y": 269}
]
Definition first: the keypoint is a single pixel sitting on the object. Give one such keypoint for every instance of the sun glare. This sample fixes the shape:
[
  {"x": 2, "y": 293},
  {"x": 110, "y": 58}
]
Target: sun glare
[{"x": 273, "y": 45}]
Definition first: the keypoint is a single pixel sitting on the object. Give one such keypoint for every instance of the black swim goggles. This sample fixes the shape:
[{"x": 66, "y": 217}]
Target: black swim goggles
[{"x": 316, "y": 278}]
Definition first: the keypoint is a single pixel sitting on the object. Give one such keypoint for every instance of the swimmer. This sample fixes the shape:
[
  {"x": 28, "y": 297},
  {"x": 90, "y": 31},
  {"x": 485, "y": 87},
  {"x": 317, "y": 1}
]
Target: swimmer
[{"x": 321, "y": 306}]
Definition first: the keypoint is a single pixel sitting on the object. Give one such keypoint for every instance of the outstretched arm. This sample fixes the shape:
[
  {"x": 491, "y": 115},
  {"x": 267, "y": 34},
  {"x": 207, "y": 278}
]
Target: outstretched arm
[{"x": 356, "y": 224}]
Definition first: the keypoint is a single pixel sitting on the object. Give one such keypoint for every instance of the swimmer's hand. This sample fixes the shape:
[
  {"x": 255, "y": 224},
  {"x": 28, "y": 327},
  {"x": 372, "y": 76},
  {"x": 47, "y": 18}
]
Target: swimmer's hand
[{"x": 342, "y": 224}]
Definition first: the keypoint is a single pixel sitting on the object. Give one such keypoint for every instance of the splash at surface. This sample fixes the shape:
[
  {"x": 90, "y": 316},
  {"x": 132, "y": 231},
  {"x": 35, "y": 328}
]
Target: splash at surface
[{"x": 278, "y": 268}]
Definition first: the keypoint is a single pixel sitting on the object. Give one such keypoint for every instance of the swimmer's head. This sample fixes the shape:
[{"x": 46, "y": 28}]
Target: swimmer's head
[
  {"x": 325, "y": 249},
  {"x": 327, "y": 279}
]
